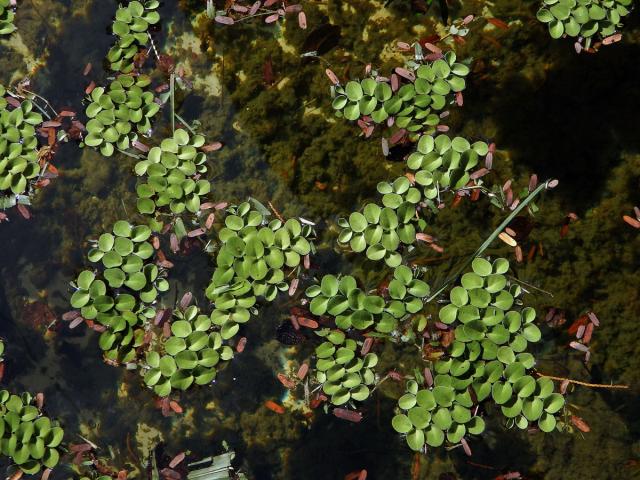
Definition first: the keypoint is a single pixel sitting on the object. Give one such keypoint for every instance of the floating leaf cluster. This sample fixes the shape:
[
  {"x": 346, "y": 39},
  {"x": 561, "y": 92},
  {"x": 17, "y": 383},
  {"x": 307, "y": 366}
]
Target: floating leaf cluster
[
  {"x": 131, "y": 27},
  {"x": 120, "y": 296},
  {"x": 413, "y": 106},
  {"x": 430, "y": 415},
  {"x": 173, "y": 170},
  {"x": 118, "y": 114},
  {"x": 442, "y": 163},
  {"x": 6, "y": 18},
  {"x": 353, "y": 308},
  {"x": 29, "y": 438},
  {"x": 254, "y": 260},
  {"x": 343, "y": 373},
  {"x": 189, "y": 356},
  {"x": 18, "y": 146},
  {"x": 583, "y": 18}
]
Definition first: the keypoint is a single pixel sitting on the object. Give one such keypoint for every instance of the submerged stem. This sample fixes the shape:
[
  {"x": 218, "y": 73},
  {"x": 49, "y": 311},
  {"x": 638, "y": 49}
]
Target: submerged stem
[
  {"x": 584, "y": 384},
  {"x": 184, "y": 122},
  {"x": 489, "y": 240},
  {"x": 172, "y": 92}
]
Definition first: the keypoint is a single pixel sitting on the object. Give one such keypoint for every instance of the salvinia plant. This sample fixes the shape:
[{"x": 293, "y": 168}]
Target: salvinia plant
[{"x": 7, "y": 16}]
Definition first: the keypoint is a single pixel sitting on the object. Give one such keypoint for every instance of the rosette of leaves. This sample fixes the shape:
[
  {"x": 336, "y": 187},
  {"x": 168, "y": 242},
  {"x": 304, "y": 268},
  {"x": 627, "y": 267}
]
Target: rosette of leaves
[
  {"x": 173, "y": 170},
  {"x": 342, "y": 372},
  {"x": 413, "y": 105},
  {"x": 6, "y": 18},
  {"x": 432, "y": 415},
  {"x": 131, "y": 27},
  {"x": 381, "y": 231},
  {"x": 30, "y": 439},
  {"x": 489, "y": 350},
  {"x": 18, "y": 147},
  {"x": 119, "y": 114},
  {"x": 119, "y": 297},
  {"x": 444, "y": 163},
  {"x": 583, "y": 18},
  {"x": 189, "y": 356},
  {"x": 254, "y": 260}
]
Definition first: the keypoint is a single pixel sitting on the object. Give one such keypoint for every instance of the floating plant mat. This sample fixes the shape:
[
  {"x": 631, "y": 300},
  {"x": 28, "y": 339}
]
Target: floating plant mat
[{"x": 306, "y": 166}]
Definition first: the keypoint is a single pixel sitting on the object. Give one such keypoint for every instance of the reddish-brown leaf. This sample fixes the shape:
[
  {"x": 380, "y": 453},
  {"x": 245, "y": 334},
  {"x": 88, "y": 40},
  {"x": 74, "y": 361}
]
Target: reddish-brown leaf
[
  {"x": 403, "y": 46},
  {"x": 175, "y": 406},
  {"x": 307, "y": 322},
  {"x": 177, "y": 460},
  {"x": 302, "y": 371},
  {"x": 302, "y": 20},
  {"x": 349, "y": 415},
  {"x": 588, "y": 332},
  {"x": 24, "y": 211},
  {"x": 286, "y": 381},
  {"x": 211, "y": 147},
  {"x": 332, "y": 76},
  {"x": 196, "y": 233},
  {"x": 616, "y": 37},
  {"x": 254, "y": 8},
  {"x": 408, "y": 74},
  {"x": 498, "y": 23},
  {"x": 90, "y": 87},
  {"x": 242, "y": 343},
  {"x": 274, "y": 407},
  {"x": 185, "y": 301},
  {"x": 272, "y": 18},
  {"x": 224, "y": 20},
  {"x": 631, "y": 221},
  {"x": 366, "y": 346},
  {"x": 580, "y": 424}
]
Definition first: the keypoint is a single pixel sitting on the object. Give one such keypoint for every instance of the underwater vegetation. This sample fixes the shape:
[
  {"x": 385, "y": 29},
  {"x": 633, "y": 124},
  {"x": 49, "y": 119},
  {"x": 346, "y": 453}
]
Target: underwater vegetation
[{"x": 448, "y": 346}]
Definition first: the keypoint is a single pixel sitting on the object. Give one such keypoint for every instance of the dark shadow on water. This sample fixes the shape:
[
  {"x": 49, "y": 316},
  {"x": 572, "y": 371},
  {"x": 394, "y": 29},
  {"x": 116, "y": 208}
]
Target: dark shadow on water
[{"x": 575, "y": 125}]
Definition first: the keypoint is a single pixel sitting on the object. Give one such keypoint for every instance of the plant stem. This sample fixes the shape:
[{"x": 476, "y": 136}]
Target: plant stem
[
  {"x": 584, "y": 384},
  {"x": 172, "y": 92},
  {"x": 489, "y": 240},
  {"x": 185, "y": 124}
]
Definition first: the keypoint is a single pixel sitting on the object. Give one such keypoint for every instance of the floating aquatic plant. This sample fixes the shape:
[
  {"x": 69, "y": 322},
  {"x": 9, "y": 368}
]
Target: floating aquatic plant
[
  {"x": 6, "y": 18},
  {"x": 189, "y": 356},
  {"x": 587, "y": 19},
  {"x": 254, "y": 260},
  {"x": 173, "y": 170},
  {"x": 414, "y": 106},
  {"x": 31, "y": 440},
  {"x": 19, "y": 162},
  {"x": 131, "y": 27},
  {"x": 343, "y": 373},
  {"x": 120, "y": 295},
  {"x": 118, "y": 114}
]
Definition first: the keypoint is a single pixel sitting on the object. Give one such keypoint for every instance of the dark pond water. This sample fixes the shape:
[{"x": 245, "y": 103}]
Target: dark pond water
[{"x": 550, "y": 112}]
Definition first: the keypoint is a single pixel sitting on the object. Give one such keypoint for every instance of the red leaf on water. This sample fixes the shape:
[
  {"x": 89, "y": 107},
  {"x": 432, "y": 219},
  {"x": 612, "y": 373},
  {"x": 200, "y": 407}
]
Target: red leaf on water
[
  {"x": 255, "y": 7},
  {"x": 294, "y": 286},
  {"x": 90, "y": 87},
  {"x": 616, "y": 37},
  {"x": 580, "y": 424},
  {"x": 631, "y": 221},
  {"x": 46, "y": 473},
  {"x": 293, "y": 8},
  {"x": 40, "y": 400},
  {"x": 302, "y": 371},
  {"x": 498, "y": 23},
  {"x": 211, "y": 147},
  {"x": 403, "y": 46},
  {"x": 594, "y": 319},
  {"x": 442, "y": 128},
  {"x": 140, "y": 146},
  {"x": 428, "y": 377},
  {"x": 286, "y": 381},
  {"x": 173, "y": 240},
  {"x": 366, "y": 346},
  {"x": 467, "y": 20},
  {"x": 579, "y": 346},
  {"x": 268, "y": 3},
  {"x": 307, "y": 322},
  {"x": 24, "y": 211},
  {"x": 242, "y": 343},
  {"x": 403, "y": 72},
  {"x": 177, "y": 460},
  {"x": 349, "y": 415},
  {"x": 307, "y": 262},
  {"x": 588, "y": 332},
  {"x": 175, "y": 406},
  {"x": 196, "y": 233},
  {"x": 87, "y": 69},
  {"x": 272, "y": 18},
  {"x": 459, "y": 99},
  {"x": 332, "y": 76},
  {"x": 70, "y": 315},
  {"x": 186, "y": 300},
  {"x": 75, "y": 323},
  {"x": 67, "y": 113},
  {"x": 224, "y": 20},
  {"x": 239, "y": 8},
  {"x": 210, "y": 219},
  {"x": 274, "y": 407},
  {"x": 432, "y": 48},
  {"x": 395, "y": 82},
  {"x": 397, "y": 136}
]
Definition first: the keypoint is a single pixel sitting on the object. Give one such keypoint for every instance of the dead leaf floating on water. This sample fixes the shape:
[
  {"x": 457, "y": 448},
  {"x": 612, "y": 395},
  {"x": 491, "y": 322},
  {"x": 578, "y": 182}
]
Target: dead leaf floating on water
[
  {"x": 177, "y": 460},
  {"x": 349, "y": 415},
  {"x": 224, "y": 20}
]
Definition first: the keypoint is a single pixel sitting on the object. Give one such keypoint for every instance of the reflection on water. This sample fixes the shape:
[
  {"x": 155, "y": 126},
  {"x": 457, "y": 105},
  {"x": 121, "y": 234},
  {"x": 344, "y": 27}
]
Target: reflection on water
[{"x": 253, "y": 92}]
